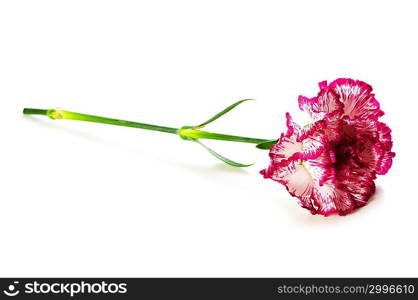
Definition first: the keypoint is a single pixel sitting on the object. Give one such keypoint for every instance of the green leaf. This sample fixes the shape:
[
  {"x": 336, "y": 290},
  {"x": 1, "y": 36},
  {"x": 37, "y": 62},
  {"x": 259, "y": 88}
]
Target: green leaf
[
  {"x": 220, "y": 114},
  {"x": 266, "y": 145},
  {"x": 220, "y": 157}
]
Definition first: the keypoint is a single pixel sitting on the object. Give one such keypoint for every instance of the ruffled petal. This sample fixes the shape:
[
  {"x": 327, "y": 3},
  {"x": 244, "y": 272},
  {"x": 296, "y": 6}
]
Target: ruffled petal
[
  {"x": 385, "y": 162},
  {"x": 312, "y": 128},
  {"x": 299, "y": 184},
  {"x": 373, "y": 153},
  {"x": 297, "y": 181},
  {"x": 325, "y": 105},
  {"x": 357, "y": 98},
  {"x": 330, "y": 199},
  {"x": 343, "y": 194},
  {"x": 360, "y": 188},
  {"x": 332, "y": 130},
  {"x": 298, "y": 142},
  {"x": 384, "y": 147},
  {"x": 321, "y": 168},
  {"x": 313, "y": 146},
  {"x": 286, "y": 148}
]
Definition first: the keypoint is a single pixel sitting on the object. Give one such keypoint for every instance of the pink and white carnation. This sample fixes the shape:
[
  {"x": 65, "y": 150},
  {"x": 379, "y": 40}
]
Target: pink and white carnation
[{"x": 330, "y": 165}]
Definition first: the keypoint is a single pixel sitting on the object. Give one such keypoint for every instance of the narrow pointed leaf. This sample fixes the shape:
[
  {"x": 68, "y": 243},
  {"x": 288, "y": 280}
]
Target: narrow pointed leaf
[
  {"x": 220, "y": 157},
  {"x": 266, "y": 145},
  {"x": 220, "y": 114}
]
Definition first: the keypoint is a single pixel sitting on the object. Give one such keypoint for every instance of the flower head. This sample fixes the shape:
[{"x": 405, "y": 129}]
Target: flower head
[{"x": 330, "y": 165}]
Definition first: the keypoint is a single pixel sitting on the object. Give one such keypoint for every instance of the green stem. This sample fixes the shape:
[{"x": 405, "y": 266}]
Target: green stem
[
  {"x": 186, "y": 132},
  {"x": 35, "y": 111},
  {"x": 69, "y": 115},
  {"x": 193, "y": 133}
]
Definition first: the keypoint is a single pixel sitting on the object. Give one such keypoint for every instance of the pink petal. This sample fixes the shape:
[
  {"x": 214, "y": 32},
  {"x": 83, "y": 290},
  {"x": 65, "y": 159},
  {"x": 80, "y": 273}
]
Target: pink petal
[
  {"x": 326, "y": 104},
  {"x": 330, "y": 199},
  {"x": 298, "y": 143},
  {"x": 299, "y": 182},
  {"x": 286, "y": 148},
  {"x": 296, "y": 179},
  {"x": 360, "y": 188},
  {"x": 313, "y": 146},
  {"x": 385, "y": 147},
  {"x": 333, "y": 130},
  {"x": 375, "y": 143},
  {"x": 343, "y": 195},
  {"x": 311, "y": 137},
  {"x": 321, "y": 168},
  {"x": 357, "y": 97}
]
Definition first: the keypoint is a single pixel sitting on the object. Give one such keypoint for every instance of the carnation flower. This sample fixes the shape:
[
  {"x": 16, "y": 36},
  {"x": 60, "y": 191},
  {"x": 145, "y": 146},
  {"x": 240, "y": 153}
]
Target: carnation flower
[{"x": 330, "y": 165}]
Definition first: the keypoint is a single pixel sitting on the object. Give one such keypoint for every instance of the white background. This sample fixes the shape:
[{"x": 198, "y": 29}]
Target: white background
[{"x": 80, "y": 199}]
